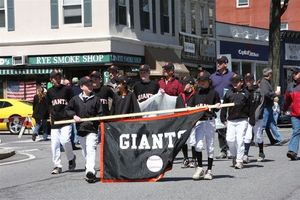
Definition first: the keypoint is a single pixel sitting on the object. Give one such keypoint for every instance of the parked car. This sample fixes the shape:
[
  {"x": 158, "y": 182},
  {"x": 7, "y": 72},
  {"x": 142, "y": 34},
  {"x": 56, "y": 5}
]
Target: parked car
[{"x": 14, "y": 109}]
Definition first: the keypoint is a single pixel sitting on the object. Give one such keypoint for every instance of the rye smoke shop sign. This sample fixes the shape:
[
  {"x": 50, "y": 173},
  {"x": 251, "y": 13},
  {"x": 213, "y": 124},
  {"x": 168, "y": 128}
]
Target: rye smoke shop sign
[{"x": 84, "y": 59}]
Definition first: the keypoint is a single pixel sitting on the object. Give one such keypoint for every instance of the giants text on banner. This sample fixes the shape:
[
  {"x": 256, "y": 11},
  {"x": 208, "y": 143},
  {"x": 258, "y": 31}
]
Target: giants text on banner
[{"x": 143, "y": 149}]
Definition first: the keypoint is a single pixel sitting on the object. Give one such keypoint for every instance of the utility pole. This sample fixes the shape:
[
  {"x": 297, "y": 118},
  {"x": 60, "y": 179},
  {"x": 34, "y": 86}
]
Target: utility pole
[{"x": 276, "y": 11}]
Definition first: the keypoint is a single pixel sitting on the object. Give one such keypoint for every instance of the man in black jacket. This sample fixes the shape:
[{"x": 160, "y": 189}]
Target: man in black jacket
[{"x": 86, "y": 105}]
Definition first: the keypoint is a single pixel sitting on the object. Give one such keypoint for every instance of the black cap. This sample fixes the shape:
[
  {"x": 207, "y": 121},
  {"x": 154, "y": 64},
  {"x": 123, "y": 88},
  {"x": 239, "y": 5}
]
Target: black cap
[
  {"x": 145, "y": 67},
  {"x": 249, "y": 76},
  {"x": 113, "y": 68},
  {"x": 203, "y": 76},
  {"x": 85, "y": 80},
  {"x": 55, "y": 73},
  {"x": 168, "y": 66},
  {"x": 296, "y": 69},
  {"x": 95, "y": 74},
  {"x": 237, "y": 78},
  {"x": 122, "y": 79},
  {"x": 188, "y": 79},
  {"x": 222, "y": 59}
]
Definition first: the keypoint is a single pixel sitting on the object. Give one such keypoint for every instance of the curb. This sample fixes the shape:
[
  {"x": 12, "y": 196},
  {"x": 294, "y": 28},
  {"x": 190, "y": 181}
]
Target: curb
[{"x": 5, "y": 153}]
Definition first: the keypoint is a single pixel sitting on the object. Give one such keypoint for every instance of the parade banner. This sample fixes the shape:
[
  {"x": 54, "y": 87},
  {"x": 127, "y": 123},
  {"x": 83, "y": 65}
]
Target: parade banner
[{"x": 143, "y": 149}]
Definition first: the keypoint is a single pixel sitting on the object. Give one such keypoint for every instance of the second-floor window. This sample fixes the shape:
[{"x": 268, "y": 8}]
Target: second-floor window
[
  {"x": 183, "y": 16},
  {"x": 284, "y": 26},
  {"x": 146, "y": 13},
  {"x": 166, "y": 18},
  {"x": 122, "y": 9},
  {"x": 242, "y": 3},
  {"x": 193, "y": 17},
  {"x": 72, "y": 11},
  {"x": 2, "y": 14}
]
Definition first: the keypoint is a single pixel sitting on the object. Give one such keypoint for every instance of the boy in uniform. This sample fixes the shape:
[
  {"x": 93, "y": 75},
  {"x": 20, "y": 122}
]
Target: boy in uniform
[
  {"x": 58, "y": 98},
  {"x": 86, "y": 105},
  {"x": 237, "y": 119},
  {"x": 205, "y": 127}
]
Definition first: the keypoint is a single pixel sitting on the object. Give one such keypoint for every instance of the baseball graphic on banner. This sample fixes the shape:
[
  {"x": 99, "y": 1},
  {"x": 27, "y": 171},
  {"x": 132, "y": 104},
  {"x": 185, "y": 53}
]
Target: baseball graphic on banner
[{"x": 154, "y": 163}]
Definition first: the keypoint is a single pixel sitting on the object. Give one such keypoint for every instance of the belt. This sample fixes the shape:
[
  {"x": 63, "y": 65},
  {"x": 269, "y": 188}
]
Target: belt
[{"x": 206, "y": 118}]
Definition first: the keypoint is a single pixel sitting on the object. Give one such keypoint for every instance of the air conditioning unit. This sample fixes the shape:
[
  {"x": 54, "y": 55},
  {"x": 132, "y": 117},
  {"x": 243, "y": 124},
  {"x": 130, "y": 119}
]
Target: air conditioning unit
[{"x": 19, "y": 60}]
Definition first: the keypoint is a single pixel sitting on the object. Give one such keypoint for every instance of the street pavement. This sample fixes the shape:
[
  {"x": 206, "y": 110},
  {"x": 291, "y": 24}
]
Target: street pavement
[{"x": 26, "y": 175}]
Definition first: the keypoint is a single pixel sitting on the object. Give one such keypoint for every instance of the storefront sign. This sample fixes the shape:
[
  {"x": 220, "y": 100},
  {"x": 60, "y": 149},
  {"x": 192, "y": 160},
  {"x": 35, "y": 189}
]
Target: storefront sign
[
  {"x": 292, "y": 52},
  {"x": 5, "y": 61},
  {"x": 244, "y": 51},
  {"x": 189, "y": 47},
  {"x": 84, "y": 59}
]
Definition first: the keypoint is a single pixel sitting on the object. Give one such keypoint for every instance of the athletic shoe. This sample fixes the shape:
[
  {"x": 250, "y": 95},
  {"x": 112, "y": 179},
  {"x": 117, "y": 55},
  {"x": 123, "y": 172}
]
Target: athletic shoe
[
  {"x": 222, "y": 155},
  {"x": 72, "y": 163},
  {"x": 208, "y": 175},
  {"x": 56, "y": 170},
  {"x": 261, "y": 157},
  {"x": 185, "y": 163},
  {"x": 239, "y": 165},
  {"x": 193, "y": 163},
  {"x": 33, "y": 137},
  {"x": 199, "y": 173},
  {"x": 90, "y": 177},
  {"x": 292, "y": 155},
  {"x": 245, "y": 159}
]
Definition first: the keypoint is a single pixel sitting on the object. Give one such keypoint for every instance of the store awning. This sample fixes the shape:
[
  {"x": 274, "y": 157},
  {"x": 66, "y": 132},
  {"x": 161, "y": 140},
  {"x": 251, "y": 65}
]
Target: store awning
[
  {"x": 24, "y": 71},
  {"x": 157, "y": 57}
]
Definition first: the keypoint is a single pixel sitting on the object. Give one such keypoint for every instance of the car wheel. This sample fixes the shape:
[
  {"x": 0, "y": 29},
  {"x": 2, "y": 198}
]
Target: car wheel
[{"x": 15, "y": 125}]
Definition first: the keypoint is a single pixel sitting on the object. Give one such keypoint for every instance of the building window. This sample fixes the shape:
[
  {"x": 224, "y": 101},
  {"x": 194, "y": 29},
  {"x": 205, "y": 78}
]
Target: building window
[
  {"x": 183, "y": 17},
  {"x": 2, "y": 14},
  {"x": 284, "y": 26},
  {"x": 72, "y": 11},
  {"x": 146, "y": 14},
  {"x": 166, "y": 16},
  {"x": 193, "y": 17},
  {"x": 242, "y": 3},
  {"x": 122, "y": 12}
]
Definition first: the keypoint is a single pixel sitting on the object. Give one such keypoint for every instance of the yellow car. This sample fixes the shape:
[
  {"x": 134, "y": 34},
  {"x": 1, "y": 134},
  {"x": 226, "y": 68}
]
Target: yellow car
[{"x": 13, "y": 110}]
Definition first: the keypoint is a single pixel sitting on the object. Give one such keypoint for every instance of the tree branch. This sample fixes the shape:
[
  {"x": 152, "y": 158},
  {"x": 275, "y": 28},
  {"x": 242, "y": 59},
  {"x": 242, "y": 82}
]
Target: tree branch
[{"x": 284, "y": 7}]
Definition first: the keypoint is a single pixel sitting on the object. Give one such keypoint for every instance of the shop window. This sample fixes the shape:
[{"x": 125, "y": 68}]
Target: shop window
[
  {"x": 242, "y": 3},
  {"x": 259, "y": 70},
  {"x": 246, "y": 68},
  {"x": 72, "y": 11},
  {"x": 2, "y": 14},
  {"x": 1, "y": 89},
  {"x": 235, "y": 67}
]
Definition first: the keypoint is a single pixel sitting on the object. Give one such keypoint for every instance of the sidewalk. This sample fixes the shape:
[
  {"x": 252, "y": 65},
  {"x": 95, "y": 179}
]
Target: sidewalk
[{"x": 5, "y": 153}]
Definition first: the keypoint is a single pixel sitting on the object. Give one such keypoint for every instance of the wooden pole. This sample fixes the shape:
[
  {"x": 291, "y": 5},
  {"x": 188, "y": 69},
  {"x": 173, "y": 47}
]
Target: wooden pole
[{"x": 143, "y": 113}]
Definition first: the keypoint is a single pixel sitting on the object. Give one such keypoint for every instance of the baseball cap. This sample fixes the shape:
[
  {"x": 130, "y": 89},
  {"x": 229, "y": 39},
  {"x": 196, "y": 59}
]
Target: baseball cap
[
  {"x": 75, "y": 80},
  {"x": 237, "y": 78},
  {"x": 95, "y": 74},
  {"x": 222, "y": 59},
  {"x": 168, "y": 66},
  {"x": 122, "y": 79},
  {"x": 113, "y": 68},
  {"x": 55, "y": 73},
  {"x": 188, "y": 79},
  {"x": 203, "y": 76},
  {"x": 145, "y": 67},
  {"x": 85, "y": 80}
]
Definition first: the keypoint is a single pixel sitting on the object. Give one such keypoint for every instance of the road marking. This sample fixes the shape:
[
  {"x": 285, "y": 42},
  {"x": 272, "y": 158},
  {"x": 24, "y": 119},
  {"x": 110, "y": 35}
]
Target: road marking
[{"x": 30, "y": 157}]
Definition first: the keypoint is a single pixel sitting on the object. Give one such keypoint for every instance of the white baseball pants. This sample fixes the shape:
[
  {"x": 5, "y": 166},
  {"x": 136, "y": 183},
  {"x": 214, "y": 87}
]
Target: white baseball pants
[
  {"x": 236, "y": 130},
  {"x": 257, "y": 130},
  {"x": 89, "y": 146},
  {"x": 61, "y": 136}
]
